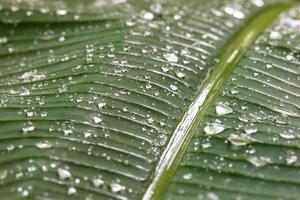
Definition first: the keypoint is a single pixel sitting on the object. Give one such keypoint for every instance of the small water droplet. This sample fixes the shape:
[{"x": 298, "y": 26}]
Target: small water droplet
[
  {"x": 97, "y": 182},
  {"x": 214, "y": 128},
  {"x": 291, "y": 158},
  {"x": 239, "y": 140},
  {"x": 28, "y": 127},
  {"x": 171, "y": 57},
  {"x": 187, "y": 176},
  {"x": 223, "y": 109},
  {"x": 274, "y": 35},
  {"x": 173, "y": 87},
  {"x": 24, "y": 91},
  {"x": 43, "y": 145},
  {"x": 71, "y": 190},
  {"x": 61, "y": 12},
  {"x": 258, "y": 161},
  {"x": 116, "y": 187},
  {"x": 289, "y": 134},
  {"x": 234, "y": 11},
  {"x": 97, "y": 119},
  {"x": 101, "y": 105},
  {"x": 63, "y": 173},
  {"x": 148, "y": 16},
  {"x": 3, "y": 40},
  {"x": 180, "y": 74},
  {"x": 3, "y": 174},
  {"x": 250, "y": 130}
]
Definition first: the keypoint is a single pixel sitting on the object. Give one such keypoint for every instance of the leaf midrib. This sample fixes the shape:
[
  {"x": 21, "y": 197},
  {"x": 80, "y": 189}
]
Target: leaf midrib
[{"x": 206, "y": 96}]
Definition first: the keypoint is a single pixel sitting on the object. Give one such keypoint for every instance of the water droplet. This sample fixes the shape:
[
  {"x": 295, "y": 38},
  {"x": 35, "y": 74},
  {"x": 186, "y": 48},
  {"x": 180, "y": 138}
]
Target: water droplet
[
  {"x": 32, "y": 75},
  {"x": 171, "y": 57},
  {"x": 24, "y": 91},
  {"x": 214, "y": 128},
  {"x": 43, "y": 145},
  {"x": 61, "y": 12},
  {"x": 250, "y": 130},
  {"x": 180, "y": 74},
  {"x": 101, "y": 105},
  {"x": 269, "y": 66},
  {"x": 165, "y": 69},
  {"x": 291, "y": 158},
  {"x": 148, "y": 16},
  {"x": 187, "y": 176},
  {"x": 258, "y": 3},
  {"x": 71, "y": 190},
  {"x": 3, "y": 40},
  {"x": 289, "y": 57},
  {"x": 97, "y": 182},
  {"x": 234, "y": 11},
  {"x": 28, "y": 127},
  {"x": 239, "y": 140},
  {"x": 97, "y": 119},
  {"x": 63, "y": 173},
  {"x": 223, "y": 109},
  {"x": 258, "y": 161},
  {"x": 289, "y": 134},
  {"x": 173, "y": 87},
  {"x": 116, "y": 187},
  {"x": 274, "y": 35},
  {"x": 3, "y": 174}
]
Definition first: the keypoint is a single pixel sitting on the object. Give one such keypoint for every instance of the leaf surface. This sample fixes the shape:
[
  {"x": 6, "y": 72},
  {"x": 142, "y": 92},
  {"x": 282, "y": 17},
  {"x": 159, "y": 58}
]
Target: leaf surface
[{"x": 92, "y": 97}]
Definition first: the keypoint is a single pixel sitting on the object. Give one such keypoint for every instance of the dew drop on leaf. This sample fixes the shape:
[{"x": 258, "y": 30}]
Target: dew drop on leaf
[
  {"x": 63, "y": 173},
  {"x": 171, "y": 57},
  {"x": 43, "y": 145},
  {"x": 173, "y": 87},
  {"x": 223, "y": 109},
  {"x": 3, "y": 174},
  {"x": 214, "y": 128},
  {"x": 97, "y": 119},
  {"x": 97, "y": 182},
  {"x": 28, "y": 127},
  {"x": 258, "y": 161},
  {"x": 187, "y": 176},
  {"x": 239, "y": 140},
  {"x": 116, "y": 187},
  {"x": 71, "y": 190}
]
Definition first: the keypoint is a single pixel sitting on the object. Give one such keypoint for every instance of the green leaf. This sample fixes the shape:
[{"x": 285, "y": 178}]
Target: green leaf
[{"x": 112, "y": 99}]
